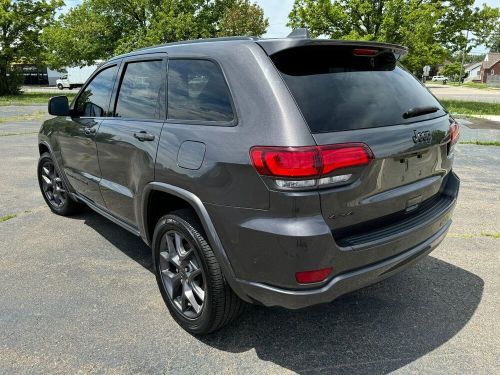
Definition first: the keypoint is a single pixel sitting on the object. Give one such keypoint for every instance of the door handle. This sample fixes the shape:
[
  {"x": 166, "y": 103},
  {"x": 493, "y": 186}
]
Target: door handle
[
  {"x": 143, "y": 136},
  {"x": 89, "y": 131}
]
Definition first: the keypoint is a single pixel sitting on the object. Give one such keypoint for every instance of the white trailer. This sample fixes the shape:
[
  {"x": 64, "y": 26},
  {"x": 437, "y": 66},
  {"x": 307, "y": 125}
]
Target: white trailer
[{"x": 75, "y": 77}]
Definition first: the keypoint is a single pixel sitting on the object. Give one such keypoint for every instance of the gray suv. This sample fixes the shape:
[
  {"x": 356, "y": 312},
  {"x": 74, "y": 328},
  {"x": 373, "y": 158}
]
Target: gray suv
[{"x": 282, "y": 172}]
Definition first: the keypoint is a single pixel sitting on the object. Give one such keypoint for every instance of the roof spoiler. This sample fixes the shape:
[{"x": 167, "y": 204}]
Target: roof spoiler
[
  {"x": 272, "y": 46},
  {"x": 301, "y": 33}
]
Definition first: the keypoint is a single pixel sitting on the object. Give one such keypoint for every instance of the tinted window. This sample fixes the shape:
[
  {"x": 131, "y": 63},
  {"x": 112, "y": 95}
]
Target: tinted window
[
  {"x": 197, "y": 90},
  {"x": 94, "y": 100},
  {"x": 336, "y": 90},
  {"x": 139, "y": 89}
]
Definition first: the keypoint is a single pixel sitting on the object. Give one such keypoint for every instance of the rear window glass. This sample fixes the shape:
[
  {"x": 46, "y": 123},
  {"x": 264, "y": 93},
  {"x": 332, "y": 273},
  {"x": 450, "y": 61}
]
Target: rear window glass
[
  {"x": 197, "y": 91},
  {"x": 336, "y": 90}
]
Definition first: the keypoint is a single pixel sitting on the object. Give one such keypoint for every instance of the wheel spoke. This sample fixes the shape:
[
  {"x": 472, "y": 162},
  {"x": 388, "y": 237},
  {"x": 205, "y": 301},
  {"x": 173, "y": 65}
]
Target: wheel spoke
[
  {"x": 187, "y": 291},
  {"x": 194, "y": 273},
  {"x": 198, "y": 291},
  {"x": 172, "y": 282},
  {"x": 47, "y": 180}
]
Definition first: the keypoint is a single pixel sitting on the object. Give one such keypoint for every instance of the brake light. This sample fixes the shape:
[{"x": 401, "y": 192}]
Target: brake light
[
  {"x": 454, "y": 133},
  {"x": 364, "y": 52},
  {"x": 310, "y": 161},
  {"x": 307, "y": 277}
]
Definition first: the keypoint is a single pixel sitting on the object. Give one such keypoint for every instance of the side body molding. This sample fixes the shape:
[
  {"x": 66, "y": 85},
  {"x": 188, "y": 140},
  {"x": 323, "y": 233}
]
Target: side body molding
[{"x": 205, "y": 220}]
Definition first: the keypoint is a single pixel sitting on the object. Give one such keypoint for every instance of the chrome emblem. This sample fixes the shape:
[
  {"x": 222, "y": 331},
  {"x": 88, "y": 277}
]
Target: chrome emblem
[{"x": 422, "y": 137}]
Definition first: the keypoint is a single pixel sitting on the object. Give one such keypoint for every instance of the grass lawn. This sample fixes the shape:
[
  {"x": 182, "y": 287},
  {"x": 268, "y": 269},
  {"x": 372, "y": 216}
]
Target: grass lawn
[
  {"x": 29, "y": 98},
  {"x": 481, "y": 143},
  {"x": 473, "y": 85},
  {"x": 471, "y": 108}
]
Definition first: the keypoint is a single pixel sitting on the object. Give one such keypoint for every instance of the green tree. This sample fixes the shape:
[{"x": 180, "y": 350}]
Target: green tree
[
  {"x": 429, "y": 28},
  {"x": 494, "y": 40},
  {"x": 452, "y": 70},
  {"x": 21, "y": 22},
  {"x": 99, "y": 29},
  {"x": 243, "y": 18}
]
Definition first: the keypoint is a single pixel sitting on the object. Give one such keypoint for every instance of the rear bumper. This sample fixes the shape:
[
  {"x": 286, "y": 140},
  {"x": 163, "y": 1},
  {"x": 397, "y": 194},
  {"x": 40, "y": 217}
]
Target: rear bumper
[
  {"x": 266, "y": 251},
  {"x": 344, "y": 283}
]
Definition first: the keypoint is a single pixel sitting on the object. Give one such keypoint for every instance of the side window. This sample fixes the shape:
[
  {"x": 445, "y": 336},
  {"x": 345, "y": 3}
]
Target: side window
[
  {"x": 197, "y": 90},
  {"x": 94, "y": 99},
  {"x": 139, "y": 89}
]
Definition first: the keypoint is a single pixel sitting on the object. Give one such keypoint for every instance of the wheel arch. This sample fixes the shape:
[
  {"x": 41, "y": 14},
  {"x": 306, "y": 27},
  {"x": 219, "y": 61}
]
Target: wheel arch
[{"x": 181, "y": 198}]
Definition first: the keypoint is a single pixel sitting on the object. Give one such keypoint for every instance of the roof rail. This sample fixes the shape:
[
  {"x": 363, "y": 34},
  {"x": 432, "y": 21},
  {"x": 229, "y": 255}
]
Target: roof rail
[{"x": 300, "y": 33}]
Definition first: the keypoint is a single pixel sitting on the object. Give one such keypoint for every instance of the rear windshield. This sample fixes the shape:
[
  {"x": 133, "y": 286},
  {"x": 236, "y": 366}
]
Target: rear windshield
[{"x": 336, "y": 89}]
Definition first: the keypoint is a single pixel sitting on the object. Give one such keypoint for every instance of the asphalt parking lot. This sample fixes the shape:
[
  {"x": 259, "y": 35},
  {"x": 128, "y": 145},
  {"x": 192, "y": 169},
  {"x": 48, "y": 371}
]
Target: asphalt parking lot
[{"x": 77, "y": 294}]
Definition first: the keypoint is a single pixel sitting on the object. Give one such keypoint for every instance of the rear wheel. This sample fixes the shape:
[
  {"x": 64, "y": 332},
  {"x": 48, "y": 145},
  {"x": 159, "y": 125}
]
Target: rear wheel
[
  {"x": 53, "y": 189},
  {"x": 189, "y": 276}
]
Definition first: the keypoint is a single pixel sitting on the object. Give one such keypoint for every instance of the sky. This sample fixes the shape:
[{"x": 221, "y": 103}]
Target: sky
[{"x": 277, "y": 12}]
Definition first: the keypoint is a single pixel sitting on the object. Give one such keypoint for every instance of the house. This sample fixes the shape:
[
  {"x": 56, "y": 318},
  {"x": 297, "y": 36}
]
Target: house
[
  {"x": 472, "y": 72},
  {"x": 490, "y": 68}
]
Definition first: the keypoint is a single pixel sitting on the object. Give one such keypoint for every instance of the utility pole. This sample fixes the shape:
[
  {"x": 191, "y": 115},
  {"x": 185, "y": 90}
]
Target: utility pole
[{"x": 463, "y": 58}]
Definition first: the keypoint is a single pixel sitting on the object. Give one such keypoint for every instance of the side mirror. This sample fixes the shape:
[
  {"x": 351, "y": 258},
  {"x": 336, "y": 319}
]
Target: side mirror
[{"x": 59, "y": 106}]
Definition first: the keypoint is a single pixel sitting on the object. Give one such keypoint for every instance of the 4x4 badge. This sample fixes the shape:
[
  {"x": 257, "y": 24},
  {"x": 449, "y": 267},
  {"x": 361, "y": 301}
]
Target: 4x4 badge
[{"x": 423, "y": 136}]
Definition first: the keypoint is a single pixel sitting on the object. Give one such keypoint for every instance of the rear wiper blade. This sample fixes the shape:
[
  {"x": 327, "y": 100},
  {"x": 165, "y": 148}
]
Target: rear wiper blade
[{"x": 419, "y": 111}]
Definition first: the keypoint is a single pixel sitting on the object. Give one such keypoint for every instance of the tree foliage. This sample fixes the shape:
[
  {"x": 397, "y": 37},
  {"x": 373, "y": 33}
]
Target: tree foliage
[
  {"x": 431, "y": 29},
  {"x": 243, "y": 18},
  {"x": 20, "y": 24},
  {"x": 99, "y": 29},
  {"x": 494, "y": 40},
  {"x": 452, "y": 70}
]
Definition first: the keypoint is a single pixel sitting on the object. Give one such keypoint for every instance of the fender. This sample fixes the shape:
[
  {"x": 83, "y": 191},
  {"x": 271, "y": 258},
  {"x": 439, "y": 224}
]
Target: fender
[
  {"x": 60, "y": 170},
  {"x": 213, "y": 237}
]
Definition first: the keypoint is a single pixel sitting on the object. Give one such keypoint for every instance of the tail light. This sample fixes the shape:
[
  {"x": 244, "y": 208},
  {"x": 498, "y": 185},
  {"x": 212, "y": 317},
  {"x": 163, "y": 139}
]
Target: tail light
[{"x": 303, "y": 167}]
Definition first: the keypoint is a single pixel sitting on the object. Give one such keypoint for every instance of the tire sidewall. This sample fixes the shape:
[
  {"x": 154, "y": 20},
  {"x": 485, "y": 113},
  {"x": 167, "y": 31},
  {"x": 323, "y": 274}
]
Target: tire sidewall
[{"x": 203, "y": 322}]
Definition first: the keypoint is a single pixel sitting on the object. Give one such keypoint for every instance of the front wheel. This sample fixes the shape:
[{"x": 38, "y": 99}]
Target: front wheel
[
  {"x": 60, "y": 86},
  {"x": 53, "y": 189},
  {"x": 189, "y": 276}
]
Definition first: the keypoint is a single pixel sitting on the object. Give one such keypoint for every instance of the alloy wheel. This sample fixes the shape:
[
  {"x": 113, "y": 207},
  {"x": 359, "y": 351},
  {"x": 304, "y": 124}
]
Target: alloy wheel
[
  {"x": 52, "y": 185},
  {"x": 182, "y": 275}
]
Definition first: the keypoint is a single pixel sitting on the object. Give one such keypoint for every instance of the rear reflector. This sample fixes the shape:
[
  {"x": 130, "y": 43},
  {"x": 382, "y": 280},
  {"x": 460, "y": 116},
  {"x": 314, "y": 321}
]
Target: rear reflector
[
  {"x": 314, "y": 276},
  {"x": 310, "y": 161}
]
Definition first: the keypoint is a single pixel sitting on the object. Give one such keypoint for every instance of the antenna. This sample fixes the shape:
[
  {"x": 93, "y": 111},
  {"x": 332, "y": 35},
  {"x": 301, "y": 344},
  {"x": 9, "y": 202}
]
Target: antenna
[{"x": 301, "y": 33}]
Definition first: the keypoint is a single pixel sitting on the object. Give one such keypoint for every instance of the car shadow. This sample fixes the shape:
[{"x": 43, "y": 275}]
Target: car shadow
[
  {"x": 129, "y": 244},
  {"x": 375, "y": 330}
]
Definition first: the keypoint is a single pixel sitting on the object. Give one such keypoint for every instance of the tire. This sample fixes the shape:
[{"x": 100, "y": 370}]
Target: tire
[
  {"x": 54, "y": 191},
  {"x": 220, "y": 305},
  {"x": 60, "y": 86}
]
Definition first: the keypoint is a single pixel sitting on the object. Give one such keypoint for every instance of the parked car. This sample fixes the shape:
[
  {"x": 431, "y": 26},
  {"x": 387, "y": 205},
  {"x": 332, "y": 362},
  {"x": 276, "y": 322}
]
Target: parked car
[
  {"x": 75, "y": 77},
  {"x": 283, "y": 172},
  {"x": 440, "y": 79}
]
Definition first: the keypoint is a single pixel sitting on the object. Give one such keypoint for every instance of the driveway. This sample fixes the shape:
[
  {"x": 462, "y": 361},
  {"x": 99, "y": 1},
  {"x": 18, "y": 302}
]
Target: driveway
[{"x": 77, "y": 295}]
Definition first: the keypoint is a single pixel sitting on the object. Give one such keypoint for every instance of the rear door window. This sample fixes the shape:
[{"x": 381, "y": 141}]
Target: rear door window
[
  {"x": 197, "y": 91},
  {"x": 138, "y": 96},
  {"x": 337, "y": 90}
]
